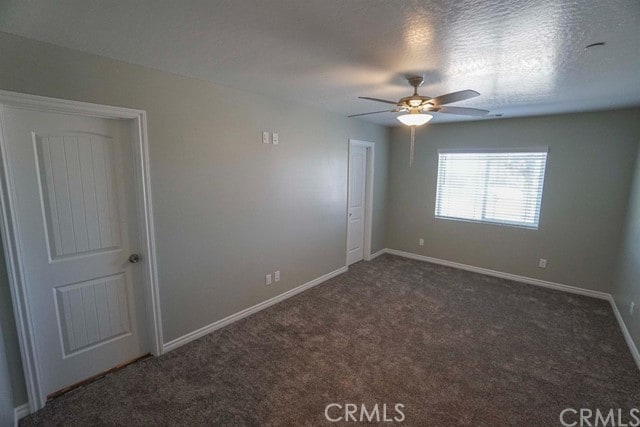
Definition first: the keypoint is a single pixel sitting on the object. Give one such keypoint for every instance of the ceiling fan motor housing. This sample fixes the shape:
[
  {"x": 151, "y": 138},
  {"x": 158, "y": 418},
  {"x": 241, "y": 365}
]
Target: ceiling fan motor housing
[
  {"x": 416, "y": 103},
  {"x": 416, "y": 81}
]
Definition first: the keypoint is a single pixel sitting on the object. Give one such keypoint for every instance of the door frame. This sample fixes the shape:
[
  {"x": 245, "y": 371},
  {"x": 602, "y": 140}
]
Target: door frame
[
  {"x": 368, "y": 196},
  {"x": 11, "y": 238}
]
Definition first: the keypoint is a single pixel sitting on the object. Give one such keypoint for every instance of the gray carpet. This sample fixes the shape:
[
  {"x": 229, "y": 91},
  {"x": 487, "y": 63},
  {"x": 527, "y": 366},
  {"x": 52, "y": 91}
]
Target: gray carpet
[{"x": 454, "y": 347}]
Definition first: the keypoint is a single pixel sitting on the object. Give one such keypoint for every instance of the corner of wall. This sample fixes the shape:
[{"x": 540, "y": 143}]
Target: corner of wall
[{"x": 626, "y": 290}]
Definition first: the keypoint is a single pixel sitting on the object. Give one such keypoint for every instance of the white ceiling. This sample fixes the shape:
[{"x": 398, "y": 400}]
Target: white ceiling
[{"x": 525, "y": 57}]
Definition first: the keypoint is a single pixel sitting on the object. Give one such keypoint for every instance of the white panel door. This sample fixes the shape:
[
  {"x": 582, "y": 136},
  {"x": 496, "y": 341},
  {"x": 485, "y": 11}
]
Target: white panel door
[
  {"x": 357, "y": 181},
  {"x": 77, "y": 226}
]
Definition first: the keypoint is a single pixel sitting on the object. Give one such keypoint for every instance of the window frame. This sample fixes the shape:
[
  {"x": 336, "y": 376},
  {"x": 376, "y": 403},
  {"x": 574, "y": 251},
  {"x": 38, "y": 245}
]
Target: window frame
[{"x": 503, "y": 223}]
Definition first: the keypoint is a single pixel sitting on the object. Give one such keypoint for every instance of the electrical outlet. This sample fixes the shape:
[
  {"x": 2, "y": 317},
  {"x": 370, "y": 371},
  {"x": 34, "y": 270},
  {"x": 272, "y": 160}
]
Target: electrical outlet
[
  {"x": 542, "y": 263},
  {"x": 265, "y": 137},
  {"x": 633, "y": 304},
  {"x": 275, "y": 138},
  {"x": 276, "y": 276},
  {"x": 421, "y": 242},
  {"x": 267, "y": 279}
]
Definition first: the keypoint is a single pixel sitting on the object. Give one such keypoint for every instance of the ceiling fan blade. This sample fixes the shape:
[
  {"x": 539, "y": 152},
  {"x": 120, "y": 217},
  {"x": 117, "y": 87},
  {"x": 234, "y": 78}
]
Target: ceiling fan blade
[
  {"x": 463, "y": 111},
  {"x": 454, "y": 97},
  {"x": 373, "y": 112},
  {"x": 378, "y": 100}
]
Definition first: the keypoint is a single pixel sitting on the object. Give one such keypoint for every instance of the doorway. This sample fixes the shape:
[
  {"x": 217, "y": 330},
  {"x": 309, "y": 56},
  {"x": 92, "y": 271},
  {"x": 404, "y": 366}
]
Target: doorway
[
  {"x": 78, "y": 238},
  {"x": 360, "y": 200}
]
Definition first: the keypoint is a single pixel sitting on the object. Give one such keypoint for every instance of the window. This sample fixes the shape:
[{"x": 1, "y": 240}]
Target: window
[{"x": 500, "y": 187}]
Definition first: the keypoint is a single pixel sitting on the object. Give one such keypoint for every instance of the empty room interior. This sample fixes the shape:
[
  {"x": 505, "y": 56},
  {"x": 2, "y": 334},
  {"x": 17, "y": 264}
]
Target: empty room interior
[{"x": 320, "y": 212}]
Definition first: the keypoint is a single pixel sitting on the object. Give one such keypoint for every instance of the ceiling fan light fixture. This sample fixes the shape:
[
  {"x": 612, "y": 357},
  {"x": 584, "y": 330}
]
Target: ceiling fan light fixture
[{"x": 415, "y": 119}]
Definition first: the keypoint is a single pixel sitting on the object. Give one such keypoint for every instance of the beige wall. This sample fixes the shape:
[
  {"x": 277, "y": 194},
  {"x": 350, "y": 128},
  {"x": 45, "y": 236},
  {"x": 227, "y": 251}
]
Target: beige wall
[
  {"x": 228, "y": 209},
  {"x": 9, "y": 333},
  {"x": 589, "y": 169},
  {"x": 6, "y": 386},
  {"x": 626, "y": 287}
]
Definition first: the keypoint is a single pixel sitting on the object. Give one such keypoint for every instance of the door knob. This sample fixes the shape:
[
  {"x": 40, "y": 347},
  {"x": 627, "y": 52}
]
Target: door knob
[{"x": 134, "y": 258}]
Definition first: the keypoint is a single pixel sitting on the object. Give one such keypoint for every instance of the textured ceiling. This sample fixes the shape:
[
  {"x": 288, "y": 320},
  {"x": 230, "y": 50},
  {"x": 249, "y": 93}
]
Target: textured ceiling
[{"x": 525, "y": 57}]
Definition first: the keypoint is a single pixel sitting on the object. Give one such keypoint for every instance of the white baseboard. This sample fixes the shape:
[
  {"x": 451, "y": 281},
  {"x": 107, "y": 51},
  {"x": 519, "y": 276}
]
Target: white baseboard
[
  {"x": 627, "y": 336},
  {"x": 178, "y": 342},
  {"x": 536, "y": 282},
  {"x": 20, "y": 412},
  {"x": 377, "y": 254},
  {"x": 500, "y": 274}
]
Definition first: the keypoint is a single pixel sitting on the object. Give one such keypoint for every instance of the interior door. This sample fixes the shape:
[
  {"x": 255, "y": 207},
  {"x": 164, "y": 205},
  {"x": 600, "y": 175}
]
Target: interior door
[
  {"x": 76, "y": 214},
  {"x": 357, "y": 171}
]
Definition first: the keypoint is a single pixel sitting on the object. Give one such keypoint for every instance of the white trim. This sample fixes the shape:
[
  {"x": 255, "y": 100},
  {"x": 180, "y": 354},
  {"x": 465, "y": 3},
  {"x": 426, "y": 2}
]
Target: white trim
[
  {"x": 178, "y": 342},
  {"x": 462, "y": 150},
  {"x": 147, "y": 235},
  {"x": 377, "y": 254},
  {"x": 19, "y": 413},
  {"x": 368, "y": 199},
  {"x": 44, "y": 103},
  {"x": 500, "y": 274},
  {"x": 10, "y": 241},
  {"x": 625, "y": 332},
  {"x": 11, "y": 237}
]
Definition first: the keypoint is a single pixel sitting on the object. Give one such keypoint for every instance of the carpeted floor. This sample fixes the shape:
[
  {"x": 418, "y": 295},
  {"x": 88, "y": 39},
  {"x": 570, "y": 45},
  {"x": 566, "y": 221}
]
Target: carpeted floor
[{"x": 454, "y": 347}]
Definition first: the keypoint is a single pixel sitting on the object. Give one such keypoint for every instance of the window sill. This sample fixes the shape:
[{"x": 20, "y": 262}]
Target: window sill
[{"x": 499, "y": 224}]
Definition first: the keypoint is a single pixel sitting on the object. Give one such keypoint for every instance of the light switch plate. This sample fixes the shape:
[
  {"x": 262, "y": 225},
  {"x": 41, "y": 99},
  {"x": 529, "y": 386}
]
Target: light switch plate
[
  {"x": 265, "y": 137},
  {"x": 275, "y": 139}
]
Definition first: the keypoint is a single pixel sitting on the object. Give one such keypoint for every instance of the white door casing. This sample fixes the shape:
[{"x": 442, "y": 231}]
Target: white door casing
[
  {"x": 74, "y": 204},
  {"x": 357, "y": 191},
  {"x": 359, "y": 201},
  {"x": 79, "y": 205}
]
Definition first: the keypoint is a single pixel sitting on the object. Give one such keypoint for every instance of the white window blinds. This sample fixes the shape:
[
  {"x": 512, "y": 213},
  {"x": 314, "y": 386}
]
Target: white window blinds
[{"x": 497, "y": 187}]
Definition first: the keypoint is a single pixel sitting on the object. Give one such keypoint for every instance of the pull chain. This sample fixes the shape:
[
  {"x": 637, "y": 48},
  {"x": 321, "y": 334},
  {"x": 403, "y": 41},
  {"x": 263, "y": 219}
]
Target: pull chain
[{"x": 413, "y": 143}]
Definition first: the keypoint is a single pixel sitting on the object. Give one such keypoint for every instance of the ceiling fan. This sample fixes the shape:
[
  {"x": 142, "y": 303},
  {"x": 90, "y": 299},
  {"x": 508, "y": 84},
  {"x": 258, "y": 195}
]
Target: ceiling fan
[{"x": 416, "y": 106}]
